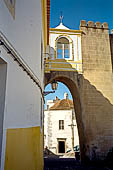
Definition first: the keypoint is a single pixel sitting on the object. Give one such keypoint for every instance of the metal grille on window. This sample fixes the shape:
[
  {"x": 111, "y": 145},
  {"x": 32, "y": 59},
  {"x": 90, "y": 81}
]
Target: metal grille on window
[{"x": 61, "y": 124}]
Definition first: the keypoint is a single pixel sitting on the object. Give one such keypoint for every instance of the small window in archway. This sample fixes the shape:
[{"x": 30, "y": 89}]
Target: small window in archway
[{"x": 63, "y": 48}]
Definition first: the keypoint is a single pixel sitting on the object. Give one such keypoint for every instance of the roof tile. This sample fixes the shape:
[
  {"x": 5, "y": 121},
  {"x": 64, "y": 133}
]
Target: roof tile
[{"x": 64, "y": 104}]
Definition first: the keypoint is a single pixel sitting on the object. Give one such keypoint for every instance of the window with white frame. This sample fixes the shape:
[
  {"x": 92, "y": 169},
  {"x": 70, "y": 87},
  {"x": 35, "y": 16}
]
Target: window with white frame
[
  {"x": 61, "y": 124},
  {"x": 63, "y": 48}
]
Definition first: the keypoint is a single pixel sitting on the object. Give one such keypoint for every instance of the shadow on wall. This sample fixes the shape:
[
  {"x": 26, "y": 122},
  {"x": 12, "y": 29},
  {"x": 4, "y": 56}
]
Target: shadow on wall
[
  {"x": 49, "y": 154},
  {"x": 97, "y": 118}
]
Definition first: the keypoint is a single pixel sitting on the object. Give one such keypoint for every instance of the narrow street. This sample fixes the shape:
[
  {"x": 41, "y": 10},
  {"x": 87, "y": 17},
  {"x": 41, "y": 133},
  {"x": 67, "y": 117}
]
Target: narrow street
[{"x": 68, "y": 164}]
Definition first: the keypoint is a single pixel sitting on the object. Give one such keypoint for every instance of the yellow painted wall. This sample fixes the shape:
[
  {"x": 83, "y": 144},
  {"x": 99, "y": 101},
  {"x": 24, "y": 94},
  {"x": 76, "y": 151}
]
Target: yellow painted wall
[
  {"x": 23, "y": 149},
  {"x": 41, "y": 149},
  {"x": 44, "y": 22}
]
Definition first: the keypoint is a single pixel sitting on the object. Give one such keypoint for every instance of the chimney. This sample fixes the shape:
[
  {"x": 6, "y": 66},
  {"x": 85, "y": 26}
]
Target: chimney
[
  {"x": 56, "y": 98},
  {"x": 65, "y": 96}
]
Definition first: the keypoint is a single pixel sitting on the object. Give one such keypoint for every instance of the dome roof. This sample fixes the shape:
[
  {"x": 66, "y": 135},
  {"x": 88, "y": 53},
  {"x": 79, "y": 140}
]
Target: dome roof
[
  {"x": 61, "y": 26},
  {"x": 64, "y": 104}
]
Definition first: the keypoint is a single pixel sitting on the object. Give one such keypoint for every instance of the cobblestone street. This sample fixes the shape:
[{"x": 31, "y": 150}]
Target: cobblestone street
[{"x": 68, "y": 164}]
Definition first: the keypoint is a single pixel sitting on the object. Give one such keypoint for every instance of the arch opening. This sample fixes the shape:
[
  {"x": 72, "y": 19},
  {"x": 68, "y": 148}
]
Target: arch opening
[{"x": 72, "y": 86}]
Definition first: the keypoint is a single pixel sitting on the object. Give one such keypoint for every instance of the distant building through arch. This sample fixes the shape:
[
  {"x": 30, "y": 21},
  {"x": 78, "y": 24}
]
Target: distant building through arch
[{"x": 60, "y": 128}]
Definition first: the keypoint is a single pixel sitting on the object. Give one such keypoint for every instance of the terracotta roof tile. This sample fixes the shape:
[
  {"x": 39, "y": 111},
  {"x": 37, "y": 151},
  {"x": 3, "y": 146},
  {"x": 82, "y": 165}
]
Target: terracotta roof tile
[{"x": 64, "y": 104}]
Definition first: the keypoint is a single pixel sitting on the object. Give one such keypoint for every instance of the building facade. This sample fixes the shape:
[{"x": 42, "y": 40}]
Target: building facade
[
  {"x": 64, "y": 49},
  {"x": 60, "y": 128},
  {"x": 23, "y": 40}
]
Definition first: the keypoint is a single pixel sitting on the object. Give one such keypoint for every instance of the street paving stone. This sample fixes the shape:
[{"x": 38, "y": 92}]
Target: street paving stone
[{"x": 68, "y": 164}]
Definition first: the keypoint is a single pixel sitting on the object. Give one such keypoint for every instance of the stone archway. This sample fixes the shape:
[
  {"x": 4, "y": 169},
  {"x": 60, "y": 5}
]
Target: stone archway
[{"x": 72, "y": 80}]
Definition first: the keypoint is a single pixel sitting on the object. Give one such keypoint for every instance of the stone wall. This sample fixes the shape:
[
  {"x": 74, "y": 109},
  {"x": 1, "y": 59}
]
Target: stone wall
[{"x": 97, "y": 89}]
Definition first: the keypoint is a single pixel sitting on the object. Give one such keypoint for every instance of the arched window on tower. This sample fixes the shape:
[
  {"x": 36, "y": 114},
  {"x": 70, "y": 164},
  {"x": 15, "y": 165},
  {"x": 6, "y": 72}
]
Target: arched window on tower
[{"x": 63, "y": 48}]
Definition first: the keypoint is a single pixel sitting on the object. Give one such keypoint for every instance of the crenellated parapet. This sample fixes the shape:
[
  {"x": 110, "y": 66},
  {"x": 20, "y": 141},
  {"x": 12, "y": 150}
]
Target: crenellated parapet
[
  {"x": 91, "y": 24},
  {"x": 96, "y": 52}
]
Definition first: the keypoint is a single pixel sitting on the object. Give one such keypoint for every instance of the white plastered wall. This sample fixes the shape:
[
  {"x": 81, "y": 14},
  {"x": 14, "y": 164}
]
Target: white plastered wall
[
  {"x": 23, "y": 96},
  {"x": 24, "y": 32},
  {"x": 52, "y": 132}
]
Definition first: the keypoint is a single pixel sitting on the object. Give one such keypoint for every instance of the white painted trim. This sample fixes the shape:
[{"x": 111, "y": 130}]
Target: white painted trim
[{"x": 63, "y": 32}]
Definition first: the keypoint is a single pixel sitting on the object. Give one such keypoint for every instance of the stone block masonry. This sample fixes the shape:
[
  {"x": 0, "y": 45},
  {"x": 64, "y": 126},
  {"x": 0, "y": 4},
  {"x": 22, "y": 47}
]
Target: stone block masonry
[
  {"x": 95, "y": 46},
  {"x": 97, "y": 88}
]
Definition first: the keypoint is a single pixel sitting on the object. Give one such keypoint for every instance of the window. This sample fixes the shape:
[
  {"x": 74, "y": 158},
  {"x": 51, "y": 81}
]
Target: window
[
  {"x": 61, "y": 124},
  {"x": 63, "y": 48}
]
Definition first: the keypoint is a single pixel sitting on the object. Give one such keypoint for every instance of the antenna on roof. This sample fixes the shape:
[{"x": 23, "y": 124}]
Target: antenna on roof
[{"x": 61, "y": 18}]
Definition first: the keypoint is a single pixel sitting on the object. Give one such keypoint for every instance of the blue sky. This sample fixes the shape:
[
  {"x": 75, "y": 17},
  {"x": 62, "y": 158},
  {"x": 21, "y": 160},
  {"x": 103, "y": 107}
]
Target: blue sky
[
  {"x": 74, "y": 11},
  {"x": 59, "y": 92}
]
